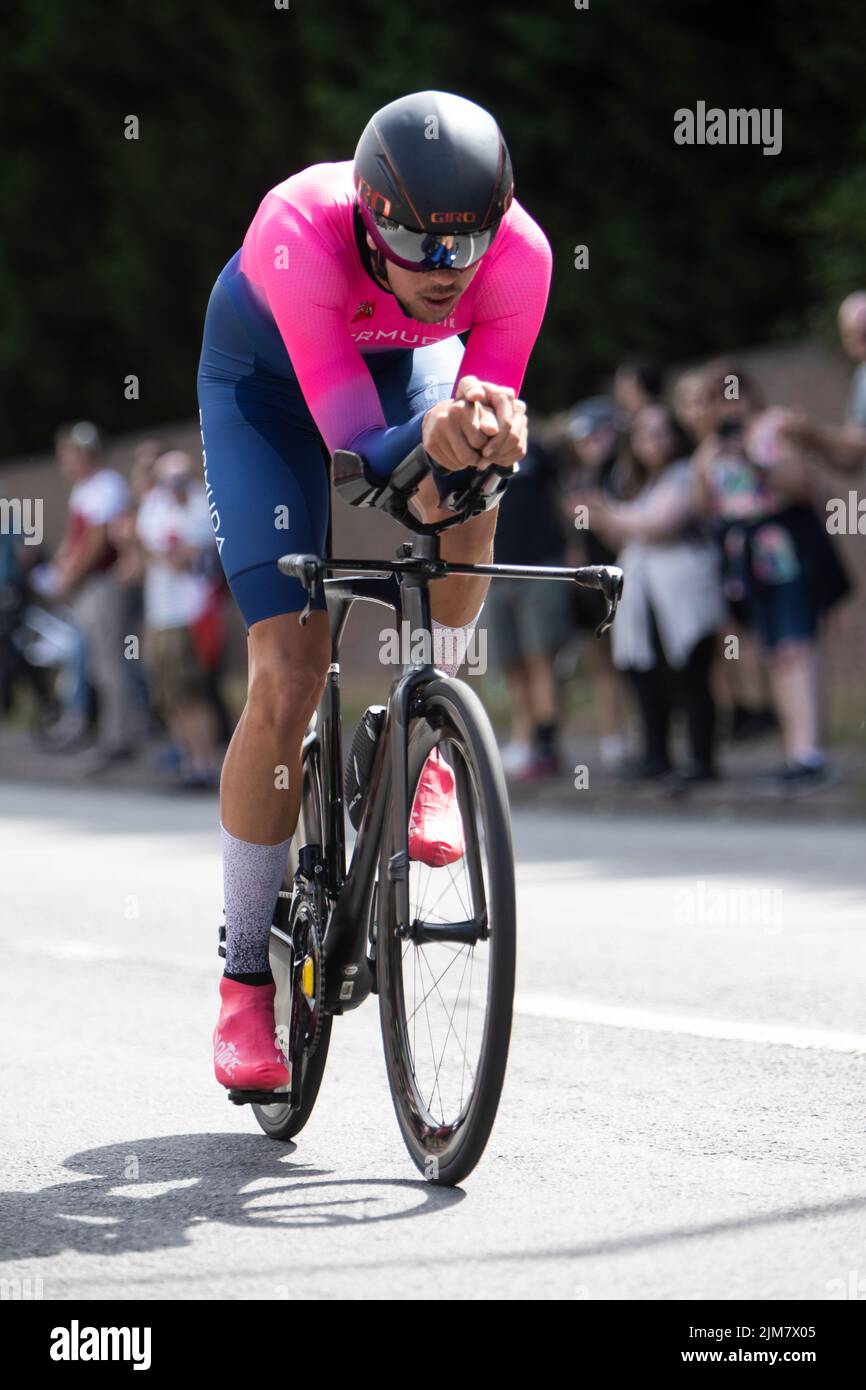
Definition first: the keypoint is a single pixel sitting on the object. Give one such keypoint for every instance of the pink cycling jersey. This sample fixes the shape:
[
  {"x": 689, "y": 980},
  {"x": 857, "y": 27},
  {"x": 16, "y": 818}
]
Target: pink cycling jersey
[{"x": 301, "y": 256}]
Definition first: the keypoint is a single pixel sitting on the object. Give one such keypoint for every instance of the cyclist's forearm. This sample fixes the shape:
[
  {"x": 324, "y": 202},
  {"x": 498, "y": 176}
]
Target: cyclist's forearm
[{"x": 383, "y": 449}]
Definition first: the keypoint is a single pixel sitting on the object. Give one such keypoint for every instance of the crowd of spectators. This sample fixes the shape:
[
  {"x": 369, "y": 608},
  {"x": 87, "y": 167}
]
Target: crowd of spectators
[
  {"x": 705, "y": 496},
  {"x": 137, "y": 597},
  {"x": 700, "y": 491}
]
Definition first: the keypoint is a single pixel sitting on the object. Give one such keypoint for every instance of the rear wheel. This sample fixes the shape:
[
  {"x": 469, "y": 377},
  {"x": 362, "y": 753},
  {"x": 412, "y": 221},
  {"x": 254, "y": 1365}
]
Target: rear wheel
[
  {"x": 446, "y": 977},
  {"x": 303, "y": 1029}
]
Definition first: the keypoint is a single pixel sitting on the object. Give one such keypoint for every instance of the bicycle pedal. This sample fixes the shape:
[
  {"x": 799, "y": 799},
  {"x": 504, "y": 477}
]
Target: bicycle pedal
[{"x": 259, "y": 1097}]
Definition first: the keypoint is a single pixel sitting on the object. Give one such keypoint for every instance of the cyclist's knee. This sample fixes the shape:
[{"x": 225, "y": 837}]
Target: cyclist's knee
[
  {"x": 283, "y": 695},
  {"x": 288, "y": 670}
]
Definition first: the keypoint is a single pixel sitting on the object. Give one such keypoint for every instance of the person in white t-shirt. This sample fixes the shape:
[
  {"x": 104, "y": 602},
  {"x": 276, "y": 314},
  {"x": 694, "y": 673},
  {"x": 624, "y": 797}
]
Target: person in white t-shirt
[
  {"x": 80, "y": 575},
  {"x": 842, "y": 447},
  {"x": 174, "y": 529}
]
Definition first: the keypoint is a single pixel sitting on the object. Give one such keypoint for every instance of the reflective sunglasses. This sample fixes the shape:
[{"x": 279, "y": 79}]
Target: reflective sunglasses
[{"x": 421, "y": 251}]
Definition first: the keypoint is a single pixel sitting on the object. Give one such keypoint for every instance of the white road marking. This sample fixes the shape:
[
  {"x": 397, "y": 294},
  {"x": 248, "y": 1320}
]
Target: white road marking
[
  {"x": 559, "y": 1008},
  {"x": 66, "y": 949}
]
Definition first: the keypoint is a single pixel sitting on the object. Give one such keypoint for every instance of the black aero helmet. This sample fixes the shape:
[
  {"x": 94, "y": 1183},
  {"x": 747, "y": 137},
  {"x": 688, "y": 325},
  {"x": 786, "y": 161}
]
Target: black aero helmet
[{"x": 433, "y": 180}]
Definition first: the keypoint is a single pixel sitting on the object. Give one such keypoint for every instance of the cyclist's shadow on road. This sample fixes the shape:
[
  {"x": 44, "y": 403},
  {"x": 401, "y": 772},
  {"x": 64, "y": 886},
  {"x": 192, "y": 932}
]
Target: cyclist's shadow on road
[{"x": 146, "y": 1194}]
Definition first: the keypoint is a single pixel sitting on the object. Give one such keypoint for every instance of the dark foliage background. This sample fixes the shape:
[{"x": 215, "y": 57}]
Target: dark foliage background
[{"x": 108, "y": 247}]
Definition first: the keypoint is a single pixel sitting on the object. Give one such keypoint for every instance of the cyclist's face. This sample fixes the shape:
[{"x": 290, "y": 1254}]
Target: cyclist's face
[{"x": 430, "y": 295}]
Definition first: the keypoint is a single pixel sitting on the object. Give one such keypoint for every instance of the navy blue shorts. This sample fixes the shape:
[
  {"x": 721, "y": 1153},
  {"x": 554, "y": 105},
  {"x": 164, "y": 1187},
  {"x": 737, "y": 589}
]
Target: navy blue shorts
[
  {"x": 784, "y": 613},
  {"x": 265, "y": 464}
]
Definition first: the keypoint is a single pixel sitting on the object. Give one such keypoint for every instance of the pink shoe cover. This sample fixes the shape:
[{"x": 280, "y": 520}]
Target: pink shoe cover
[
  {"x": 246, "y": 1055},
  {"x": 435, "y": 827}
]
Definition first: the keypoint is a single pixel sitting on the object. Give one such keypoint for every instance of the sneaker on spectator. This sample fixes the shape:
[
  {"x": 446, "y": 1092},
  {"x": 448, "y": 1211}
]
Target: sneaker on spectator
[
  {"x": 645, "y": 770},
  {"x": 612, "y": 751},
  {"x": 515, "y": 757},
  {"x": 539, "y": 768},
  {"x": 69, "y": 733},
  {"x": 101, "y": 760},
  {"x": 805, "y": 777}
]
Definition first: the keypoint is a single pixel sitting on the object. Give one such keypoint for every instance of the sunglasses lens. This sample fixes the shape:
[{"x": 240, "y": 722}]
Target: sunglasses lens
[{"x": 423, "y": 251}]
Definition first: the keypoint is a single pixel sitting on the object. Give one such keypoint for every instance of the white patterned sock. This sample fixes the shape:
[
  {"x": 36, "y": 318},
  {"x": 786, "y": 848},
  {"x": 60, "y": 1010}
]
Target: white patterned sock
[
  {"x": 450, "y": 645},
  {"x": 252, "y": 875}
]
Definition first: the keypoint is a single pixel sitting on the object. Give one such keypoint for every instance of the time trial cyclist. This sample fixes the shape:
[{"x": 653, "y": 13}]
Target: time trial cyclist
[{"x": 337, "y": 326}]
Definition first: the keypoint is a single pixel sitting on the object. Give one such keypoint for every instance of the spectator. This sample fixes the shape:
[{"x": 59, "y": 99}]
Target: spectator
[
  {"x": 841, "y": 446},
  {"x": 671, "y": 609},
  {"x": 592, "y": 464},
  {"x": 778, "y": 561},
  {"x": 636, "y": 383},
  {"x": 141, "y": 476},
  {"x": 81, "y": 575},
  {"x": 743, "y": 682},
  {"x": 175, "y": 531},
  {"x": 146, "y": 453},
  {"x": 529, "y": 621},
  {"x": 690, "y": 405}
]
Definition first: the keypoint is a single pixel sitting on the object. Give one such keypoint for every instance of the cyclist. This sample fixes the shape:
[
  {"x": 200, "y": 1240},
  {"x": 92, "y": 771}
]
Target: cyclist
[{"x": 337, "y": 323}]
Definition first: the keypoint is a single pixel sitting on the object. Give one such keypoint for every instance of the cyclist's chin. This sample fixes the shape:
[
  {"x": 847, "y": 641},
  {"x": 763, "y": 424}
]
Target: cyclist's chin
[{"x": 432, "y": 308}]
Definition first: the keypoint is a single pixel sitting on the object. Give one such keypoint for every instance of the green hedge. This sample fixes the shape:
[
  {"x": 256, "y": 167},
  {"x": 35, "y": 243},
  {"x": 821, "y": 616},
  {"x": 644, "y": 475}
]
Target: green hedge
[{"x": 108, "y": 246}]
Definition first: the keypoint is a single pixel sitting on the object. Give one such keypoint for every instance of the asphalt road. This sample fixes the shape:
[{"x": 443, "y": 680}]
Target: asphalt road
[{"x": 683, "y": 1115}]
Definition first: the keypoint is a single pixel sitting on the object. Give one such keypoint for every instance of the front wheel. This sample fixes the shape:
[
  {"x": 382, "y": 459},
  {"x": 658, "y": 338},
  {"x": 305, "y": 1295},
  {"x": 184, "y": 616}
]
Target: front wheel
[{"x": 446, "y": 977}]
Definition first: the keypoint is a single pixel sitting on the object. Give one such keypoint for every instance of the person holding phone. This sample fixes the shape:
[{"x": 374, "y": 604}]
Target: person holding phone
[{"x": 778, "y": 563}]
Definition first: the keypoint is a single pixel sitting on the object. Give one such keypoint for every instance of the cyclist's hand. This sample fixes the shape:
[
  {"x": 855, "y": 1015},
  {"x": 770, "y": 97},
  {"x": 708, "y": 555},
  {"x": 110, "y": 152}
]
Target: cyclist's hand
[
  {"x": 507, "y": 444},
  {"x": 454, "y": 433}
]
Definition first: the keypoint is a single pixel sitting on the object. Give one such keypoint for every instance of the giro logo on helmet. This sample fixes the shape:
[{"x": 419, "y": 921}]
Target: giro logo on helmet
[
  {"x": 376, "y": 202},
  {"x": 453, "y": 217}
]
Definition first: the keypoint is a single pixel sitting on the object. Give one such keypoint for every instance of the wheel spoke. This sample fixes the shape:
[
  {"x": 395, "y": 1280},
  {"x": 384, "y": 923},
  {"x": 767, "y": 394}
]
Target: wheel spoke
[
  {"x": 433, "y": 984},
  {"x": 450, "y": 1028}
]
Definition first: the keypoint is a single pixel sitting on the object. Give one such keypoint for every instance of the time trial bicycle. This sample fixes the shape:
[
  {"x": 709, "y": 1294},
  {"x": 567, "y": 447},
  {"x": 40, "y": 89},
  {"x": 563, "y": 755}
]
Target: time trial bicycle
[{"x": 436, "y": 944}]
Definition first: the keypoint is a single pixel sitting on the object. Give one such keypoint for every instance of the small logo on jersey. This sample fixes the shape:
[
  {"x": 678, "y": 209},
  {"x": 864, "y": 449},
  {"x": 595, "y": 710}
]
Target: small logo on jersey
[{"x": 364, "y": 310}]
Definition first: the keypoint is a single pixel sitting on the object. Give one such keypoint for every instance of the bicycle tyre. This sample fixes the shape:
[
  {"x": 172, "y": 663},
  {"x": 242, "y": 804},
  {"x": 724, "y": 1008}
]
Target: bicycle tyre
[
  {"x": 446, "y": 1160},
  {"x": 281, "y": 1122}
]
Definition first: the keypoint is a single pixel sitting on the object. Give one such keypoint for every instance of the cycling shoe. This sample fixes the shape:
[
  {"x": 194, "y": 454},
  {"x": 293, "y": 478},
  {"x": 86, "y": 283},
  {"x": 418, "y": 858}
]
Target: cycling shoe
[
  {"x": 245, "y": 1050},
  {"x": 435, "y": 826}
]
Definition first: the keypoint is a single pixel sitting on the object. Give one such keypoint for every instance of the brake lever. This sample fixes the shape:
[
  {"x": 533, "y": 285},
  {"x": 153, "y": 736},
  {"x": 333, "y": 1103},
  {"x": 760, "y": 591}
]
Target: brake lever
[
  {"x": 314, "y": 591},
  {"x": 309, "y": 570}
]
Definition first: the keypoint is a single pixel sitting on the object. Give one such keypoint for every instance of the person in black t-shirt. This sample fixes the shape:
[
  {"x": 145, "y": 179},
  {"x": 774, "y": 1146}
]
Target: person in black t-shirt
[
  {"x": 529, "y": 619},
  {"x": 591, "y": 463}
]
